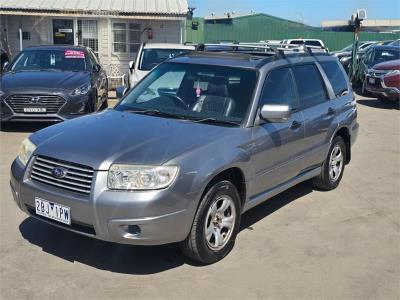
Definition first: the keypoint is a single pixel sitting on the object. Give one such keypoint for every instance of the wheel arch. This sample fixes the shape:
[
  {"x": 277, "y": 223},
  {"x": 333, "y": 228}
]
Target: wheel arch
[{"x": 344, "y": 133}]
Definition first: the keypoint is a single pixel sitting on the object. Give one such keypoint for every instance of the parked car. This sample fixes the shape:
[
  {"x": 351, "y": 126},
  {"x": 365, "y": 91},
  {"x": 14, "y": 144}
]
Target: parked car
[
  {"x": 196, "y": 143},
  {"x": 307, "y": 42},
  {"x": 395, "y": 43},
  {"x": 374, "y": 55},
  {"x": 344, "y": 54},
  {"x": 150, "y": 55},
  {"x": 52, "y": 83},
  {"x": 383, "y": 80}
]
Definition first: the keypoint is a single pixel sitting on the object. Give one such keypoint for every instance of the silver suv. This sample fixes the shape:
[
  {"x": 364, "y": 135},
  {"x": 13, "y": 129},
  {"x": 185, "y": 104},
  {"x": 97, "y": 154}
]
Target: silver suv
[{"x": 201, "y": 139}]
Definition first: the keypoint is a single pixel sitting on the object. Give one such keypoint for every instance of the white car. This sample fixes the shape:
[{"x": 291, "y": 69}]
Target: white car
[
  {"x": 307, "y": 42},
  {"x": 150, "y": 55}
]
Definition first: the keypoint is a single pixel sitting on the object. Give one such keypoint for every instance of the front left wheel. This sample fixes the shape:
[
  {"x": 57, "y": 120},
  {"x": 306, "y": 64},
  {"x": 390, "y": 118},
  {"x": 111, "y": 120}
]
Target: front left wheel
[{"x": 215, "y": 225}]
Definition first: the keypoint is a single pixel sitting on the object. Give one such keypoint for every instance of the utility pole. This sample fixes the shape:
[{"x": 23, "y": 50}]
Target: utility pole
[{"x": 355, "y": 22}]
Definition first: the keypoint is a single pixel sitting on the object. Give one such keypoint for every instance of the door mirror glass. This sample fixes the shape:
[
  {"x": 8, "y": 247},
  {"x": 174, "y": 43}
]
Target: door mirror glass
[
  {"x": 121, "y": 91},
  {"x": 131, "y": 65},
  {"x": 275, "y": 113},
  {"x": 5, "y": 66},
  {"x": 96, "y": 68}
]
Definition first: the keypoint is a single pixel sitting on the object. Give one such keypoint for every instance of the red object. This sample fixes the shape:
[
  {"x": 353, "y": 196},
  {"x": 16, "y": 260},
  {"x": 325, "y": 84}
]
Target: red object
[
  {"x": 74, "y": 54},
  {"x": 388, "y": 65},
  {"x": 392, "y": 80}
]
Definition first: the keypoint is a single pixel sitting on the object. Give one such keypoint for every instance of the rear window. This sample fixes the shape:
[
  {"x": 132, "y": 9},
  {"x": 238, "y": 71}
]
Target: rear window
[
  {"x": 313, "y": 43},
  {"x": 310, "y": 86},
  {"x": 335, "y": 76}
]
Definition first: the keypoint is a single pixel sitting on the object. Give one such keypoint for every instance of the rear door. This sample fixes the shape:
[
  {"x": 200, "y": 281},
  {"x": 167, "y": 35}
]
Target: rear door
[
  {"x": 277, "y": 145},
  {"x": 318, "y": 112}
]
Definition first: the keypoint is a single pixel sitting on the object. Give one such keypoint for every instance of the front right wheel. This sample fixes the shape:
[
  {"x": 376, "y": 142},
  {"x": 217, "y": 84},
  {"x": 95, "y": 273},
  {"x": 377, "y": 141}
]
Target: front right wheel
[{"x": 215, "y": 225}]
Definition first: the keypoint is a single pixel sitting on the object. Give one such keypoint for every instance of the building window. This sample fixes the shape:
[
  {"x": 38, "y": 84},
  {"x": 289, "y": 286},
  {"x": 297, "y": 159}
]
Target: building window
[
  {"x": 126, "y": 37},
  {"x": 87, "y": 34},
  {"x": 26, "y": 35}
]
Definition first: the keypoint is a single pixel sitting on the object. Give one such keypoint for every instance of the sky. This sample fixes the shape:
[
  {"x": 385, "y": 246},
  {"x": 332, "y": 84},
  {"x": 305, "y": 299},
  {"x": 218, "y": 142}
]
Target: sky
[{"x": 310, "y": 12}]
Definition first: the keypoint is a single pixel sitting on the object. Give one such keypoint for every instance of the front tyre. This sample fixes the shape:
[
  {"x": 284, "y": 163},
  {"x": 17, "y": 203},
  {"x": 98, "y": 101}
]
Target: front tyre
[
  {"x": 333, "y": 166},
  {"x": 215, "y": 225}
]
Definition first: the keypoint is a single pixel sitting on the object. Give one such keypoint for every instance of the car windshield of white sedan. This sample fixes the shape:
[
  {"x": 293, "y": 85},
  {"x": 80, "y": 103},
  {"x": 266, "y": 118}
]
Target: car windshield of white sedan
[
  {"x": 50, "y": 60},
  {"x": 194, "y": 92},
  {"x": 152, "y": 57}
]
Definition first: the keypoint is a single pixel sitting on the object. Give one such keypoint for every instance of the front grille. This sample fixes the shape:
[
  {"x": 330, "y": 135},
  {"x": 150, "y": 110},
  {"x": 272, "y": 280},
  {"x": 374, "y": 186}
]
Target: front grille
[
  {"x": 78, "y": 178},
  {"x": 51, "y": 103}
]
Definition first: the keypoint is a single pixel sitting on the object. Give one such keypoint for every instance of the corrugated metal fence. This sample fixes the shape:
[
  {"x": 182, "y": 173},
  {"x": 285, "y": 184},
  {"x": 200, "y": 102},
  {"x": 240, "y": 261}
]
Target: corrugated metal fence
[{"x": 264, "y": 27}]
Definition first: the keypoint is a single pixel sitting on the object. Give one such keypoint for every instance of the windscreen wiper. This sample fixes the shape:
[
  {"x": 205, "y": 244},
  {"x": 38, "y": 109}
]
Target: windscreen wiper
[
  {"x": 155, "y": 112},
  {"x": 216, "y": 121}
]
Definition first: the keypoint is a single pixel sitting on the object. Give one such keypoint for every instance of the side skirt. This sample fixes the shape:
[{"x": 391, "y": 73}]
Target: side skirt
[{"x": 257, "y": 199}]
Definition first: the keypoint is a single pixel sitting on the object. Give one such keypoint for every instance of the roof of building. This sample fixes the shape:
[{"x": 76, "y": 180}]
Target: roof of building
[{"x": 97, "y": 7}]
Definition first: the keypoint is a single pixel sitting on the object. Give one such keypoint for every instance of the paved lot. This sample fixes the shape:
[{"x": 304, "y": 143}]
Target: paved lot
[{"x": 302, "y": 244}]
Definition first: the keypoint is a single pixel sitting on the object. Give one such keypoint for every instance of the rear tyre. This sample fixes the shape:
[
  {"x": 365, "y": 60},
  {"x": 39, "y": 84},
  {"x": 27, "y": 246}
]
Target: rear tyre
[
  {"x": 333, "y": 166},
  {"x": 215, "y": 225}
]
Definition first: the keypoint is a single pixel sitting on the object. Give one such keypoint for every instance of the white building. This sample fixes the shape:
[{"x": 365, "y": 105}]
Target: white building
[{"x": 114, "y": 29}]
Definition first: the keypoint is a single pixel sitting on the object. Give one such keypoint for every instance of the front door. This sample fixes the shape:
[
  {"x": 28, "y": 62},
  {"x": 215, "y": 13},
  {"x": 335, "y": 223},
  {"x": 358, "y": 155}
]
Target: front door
[
  {"x": 278, "y": 145},
  {"x": 63, "y": 32}
]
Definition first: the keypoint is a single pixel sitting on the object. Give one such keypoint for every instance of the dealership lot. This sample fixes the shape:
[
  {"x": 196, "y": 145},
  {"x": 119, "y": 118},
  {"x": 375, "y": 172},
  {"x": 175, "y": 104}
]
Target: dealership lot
[{"x": 302, "y": 244}]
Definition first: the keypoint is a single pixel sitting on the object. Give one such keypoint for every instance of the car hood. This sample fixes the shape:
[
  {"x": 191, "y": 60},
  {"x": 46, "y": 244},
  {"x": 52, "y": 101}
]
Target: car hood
[
  {"x": 101, "y": 139},
  {"x": 43, "y": 80},
  {"x": 389, "y": 65}
]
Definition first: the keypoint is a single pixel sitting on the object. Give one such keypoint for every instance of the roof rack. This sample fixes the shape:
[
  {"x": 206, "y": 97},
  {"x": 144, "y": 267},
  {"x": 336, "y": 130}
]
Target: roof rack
[{"x": 262, "y": 49}]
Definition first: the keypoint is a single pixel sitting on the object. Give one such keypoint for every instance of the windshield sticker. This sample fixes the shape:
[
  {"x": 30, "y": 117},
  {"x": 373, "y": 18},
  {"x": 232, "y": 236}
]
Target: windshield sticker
[
  {"x": 198, "y": 90},
  {"x": 74, "y": 54}
]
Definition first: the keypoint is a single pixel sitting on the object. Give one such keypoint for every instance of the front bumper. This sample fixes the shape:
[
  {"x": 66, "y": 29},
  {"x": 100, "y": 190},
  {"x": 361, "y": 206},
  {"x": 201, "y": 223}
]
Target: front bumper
[
  {"x": 376, "y": 86},
  {"x": 138, "y": 218},
  {"x": 71, "y": 108}
]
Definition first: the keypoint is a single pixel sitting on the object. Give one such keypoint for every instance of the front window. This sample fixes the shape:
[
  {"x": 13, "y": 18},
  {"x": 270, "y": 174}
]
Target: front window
[
  {"x": 48, "y": 60},
  {"x": 152, "y": 57},
  {"x": 194, "y": 92},
  {"x": 383, "y": 55}
]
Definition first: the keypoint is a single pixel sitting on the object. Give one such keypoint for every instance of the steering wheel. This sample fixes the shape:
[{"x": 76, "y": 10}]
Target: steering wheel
[{"x": 177, "y": 100}]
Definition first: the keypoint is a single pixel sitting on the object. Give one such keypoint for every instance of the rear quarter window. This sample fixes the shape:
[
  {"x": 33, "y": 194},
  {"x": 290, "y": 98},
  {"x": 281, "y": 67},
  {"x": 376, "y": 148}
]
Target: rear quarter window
[
  {"x": 335, "y": 76},
  {"x": 310, "y": 85}
]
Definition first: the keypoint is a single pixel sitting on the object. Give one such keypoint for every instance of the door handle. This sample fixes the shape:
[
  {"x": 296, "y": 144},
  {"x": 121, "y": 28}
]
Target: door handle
[
  {"x": 331, "y": 111},
  {"x": 295, "y": 125}
]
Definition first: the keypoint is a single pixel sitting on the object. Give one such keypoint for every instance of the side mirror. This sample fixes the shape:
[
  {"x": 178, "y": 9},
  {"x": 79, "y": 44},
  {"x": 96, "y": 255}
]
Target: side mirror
[
  {"x": 5, "y": 66},
  {"x": 96, "y": 68},
  {"x": 131, "y": 65},
  {"x": 121, "y": 91},
  {"x": 275, "y": 113}
]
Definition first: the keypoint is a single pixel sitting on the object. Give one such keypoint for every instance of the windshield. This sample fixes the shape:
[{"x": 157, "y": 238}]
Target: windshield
[
  {"x": 152, "y": 57},
  {"x": 382, "y": 55},
  {"x": 194, "y": 92},
  {"x": 58, "y": 60}
]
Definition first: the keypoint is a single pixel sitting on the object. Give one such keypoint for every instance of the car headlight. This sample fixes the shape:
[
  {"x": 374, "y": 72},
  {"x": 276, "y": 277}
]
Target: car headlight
[
  {"x": 25, "y": 151},
  {"x": 393, "y": 72},
  {"x": 140, "y": 177},
  {"x": 82, "y": 90}
]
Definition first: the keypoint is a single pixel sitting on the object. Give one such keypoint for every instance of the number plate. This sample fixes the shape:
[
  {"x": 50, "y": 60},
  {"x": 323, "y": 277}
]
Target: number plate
[
  {"x": 35, "y": 109},
  {"x": 371, "y": 80},
  {"x": 54, "y": 211}
]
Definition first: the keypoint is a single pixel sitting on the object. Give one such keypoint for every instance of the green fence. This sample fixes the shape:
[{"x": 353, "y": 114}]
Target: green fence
[{"x": 259, "y": 27}]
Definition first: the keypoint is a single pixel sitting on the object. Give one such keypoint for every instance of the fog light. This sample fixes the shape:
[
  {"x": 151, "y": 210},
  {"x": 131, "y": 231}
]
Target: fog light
[{"x": 131, "y": 229}]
